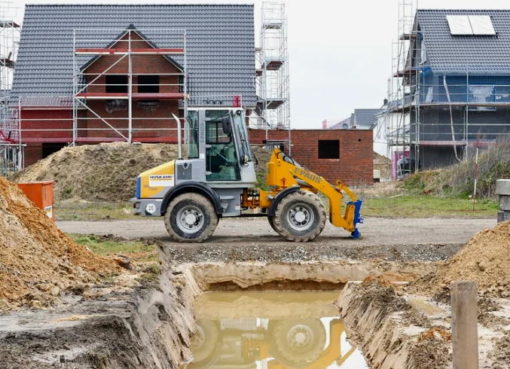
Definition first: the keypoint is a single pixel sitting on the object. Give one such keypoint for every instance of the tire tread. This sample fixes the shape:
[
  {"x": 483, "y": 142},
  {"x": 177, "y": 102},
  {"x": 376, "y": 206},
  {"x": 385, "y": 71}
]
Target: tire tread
[{"x": 310, "y": 198}]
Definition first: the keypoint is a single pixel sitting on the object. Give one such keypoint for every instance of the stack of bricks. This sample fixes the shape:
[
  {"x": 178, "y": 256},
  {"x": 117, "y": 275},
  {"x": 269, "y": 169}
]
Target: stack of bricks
[{"x": 503, "y": 192}]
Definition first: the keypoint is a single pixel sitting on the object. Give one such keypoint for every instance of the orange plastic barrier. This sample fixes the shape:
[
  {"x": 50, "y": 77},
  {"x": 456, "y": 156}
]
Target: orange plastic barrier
[{"x": 41, "y": 194}]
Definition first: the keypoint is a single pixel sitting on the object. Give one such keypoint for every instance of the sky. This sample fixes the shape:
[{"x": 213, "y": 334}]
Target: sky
[{"x": 339, "y": 51}]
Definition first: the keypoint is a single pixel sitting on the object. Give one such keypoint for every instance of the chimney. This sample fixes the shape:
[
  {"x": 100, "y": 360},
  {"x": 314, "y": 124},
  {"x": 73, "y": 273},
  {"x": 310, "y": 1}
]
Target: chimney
[{"x": 325, "y": 124}]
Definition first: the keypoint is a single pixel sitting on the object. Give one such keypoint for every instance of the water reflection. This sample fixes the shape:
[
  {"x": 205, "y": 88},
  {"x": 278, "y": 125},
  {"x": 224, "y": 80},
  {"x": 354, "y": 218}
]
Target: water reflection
[{"x": 276, "y": 330}]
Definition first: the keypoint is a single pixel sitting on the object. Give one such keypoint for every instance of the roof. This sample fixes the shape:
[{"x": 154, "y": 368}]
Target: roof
[
  {"x": 220, "y": 44},
  {"x": 461, "y": 54},
  {"x": 365, "y": 118},
  {"x": 360, "y": 119},
  {"x": 343, "y": 124},
  {"x": 123, "y": 34}
]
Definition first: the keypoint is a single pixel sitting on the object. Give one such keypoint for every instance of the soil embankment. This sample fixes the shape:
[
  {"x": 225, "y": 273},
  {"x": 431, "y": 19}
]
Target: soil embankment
[
  {"x": 408, "y": 326},
  {"x": 37, "y": 260},
  {"x": 104, "y": 172}
]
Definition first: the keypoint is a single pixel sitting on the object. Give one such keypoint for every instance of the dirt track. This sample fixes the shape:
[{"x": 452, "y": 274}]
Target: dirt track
[{"x": 253, "y": 239}]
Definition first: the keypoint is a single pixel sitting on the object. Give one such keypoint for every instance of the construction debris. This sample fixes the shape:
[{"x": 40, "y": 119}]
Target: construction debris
[{"x": 37, "y": 260}]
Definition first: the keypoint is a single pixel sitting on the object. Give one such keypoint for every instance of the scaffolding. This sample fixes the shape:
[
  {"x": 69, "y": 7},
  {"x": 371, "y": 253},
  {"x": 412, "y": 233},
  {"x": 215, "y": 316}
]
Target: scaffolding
[
  {"x": 273, "y": 106},
  {"x": 11, "y": 149},
  {"x": 110, "y": 78},
  {"x": 397, "y": 123}
]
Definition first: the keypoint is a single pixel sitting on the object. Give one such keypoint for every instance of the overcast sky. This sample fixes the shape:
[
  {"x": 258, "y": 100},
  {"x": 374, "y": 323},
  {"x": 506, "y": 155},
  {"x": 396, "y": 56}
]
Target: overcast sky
[{"x": 340, "y": 51}]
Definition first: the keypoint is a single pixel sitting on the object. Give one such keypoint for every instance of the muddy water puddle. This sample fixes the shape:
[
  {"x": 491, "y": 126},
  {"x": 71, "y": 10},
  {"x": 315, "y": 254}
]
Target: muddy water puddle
[{"x": 271, "y": 329}]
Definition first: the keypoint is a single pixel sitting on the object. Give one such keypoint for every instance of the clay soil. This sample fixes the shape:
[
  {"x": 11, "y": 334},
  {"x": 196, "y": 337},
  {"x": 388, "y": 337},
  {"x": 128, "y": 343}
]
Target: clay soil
[
  {"x": 37, "y": 260},
  {"x": 485, "y": 260}
]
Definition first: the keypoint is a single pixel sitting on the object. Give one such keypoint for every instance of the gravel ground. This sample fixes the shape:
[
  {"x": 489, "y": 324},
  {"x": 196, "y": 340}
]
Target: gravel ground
[{"x": 243, "y": 239}]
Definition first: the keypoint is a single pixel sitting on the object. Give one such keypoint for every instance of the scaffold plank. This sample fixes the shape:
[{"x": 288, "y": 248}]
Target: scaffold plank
[
  {"x": 134, "y": 95},
  {"x": 120, "y": 51}
]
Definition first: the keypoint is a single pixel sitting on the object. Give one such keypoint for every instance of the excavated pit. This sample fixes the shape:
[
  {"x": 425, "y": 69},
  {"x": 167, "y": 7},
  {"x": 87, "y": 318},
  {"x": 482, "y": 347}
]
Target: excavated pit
[{"x": 152, "y": 326}]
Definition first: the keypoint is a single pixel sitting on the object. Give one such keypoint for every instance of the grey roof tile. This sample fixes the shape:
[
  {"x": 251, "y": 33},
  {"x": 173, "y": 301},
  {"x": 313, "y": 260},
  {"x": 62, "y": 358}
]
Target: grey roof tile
[
  {"x": 461, "y": 54},
  {"x": 220, "y": 48}
]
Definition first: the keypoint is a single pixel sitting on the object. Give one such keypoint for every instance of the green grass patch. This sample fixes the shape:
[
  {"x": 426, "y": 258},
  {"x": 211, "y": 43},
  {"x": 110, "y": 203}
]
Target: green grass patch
[
  {"x": 426, "y": 206},
  {"x": 106, "y": 246},
  {"x": 144, "y": 257}
]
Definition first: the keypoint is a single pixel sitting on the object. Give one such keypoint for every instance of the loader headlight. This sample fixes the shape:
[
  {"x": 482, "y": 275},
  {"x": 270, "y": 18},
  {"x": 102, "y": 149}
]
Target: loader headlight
[{"x": 150, "y": 208}]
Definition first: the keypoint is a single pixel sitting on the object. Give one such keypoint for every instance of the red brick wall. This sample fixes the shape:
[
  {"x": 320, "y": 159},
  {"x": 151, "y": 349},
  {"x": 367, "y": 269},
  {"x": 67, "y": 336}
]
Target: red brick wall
[
  {"x": 355, "y": 165},
  {"x": 46, "y": 125}
]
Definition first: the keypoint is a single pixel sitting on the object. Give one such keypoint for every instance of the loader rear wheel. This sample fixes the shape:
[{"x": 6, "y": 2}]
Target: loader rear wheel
[
  {"x": 190, "y": 217},
  {"x": 300, "y": 216}
]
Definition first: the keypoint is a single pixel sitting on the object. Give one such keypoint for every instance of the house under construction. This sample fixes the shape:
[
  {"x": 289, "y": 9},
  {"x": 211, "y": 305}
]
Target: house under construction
[
  {"x": 88, "y": 74},
  {"x": 450, "y": 92}
]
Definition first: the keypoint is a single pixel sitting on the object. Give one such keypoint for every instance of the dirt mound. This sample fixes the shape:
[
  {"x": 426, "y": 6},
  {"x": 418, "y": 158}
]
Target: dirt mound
[
  {"x": 262, "y": 156},
  {"x": 37, "y": 260},
  {"x": 105, "y": 171},
  {"x": 485, "y": 259},
  {"x": 383, "y": 164}
]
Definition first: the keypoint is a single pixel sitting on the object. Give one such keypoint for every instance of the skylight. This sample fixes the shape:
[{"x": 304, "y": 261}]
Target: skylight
[{"x": 471, "y": 25}]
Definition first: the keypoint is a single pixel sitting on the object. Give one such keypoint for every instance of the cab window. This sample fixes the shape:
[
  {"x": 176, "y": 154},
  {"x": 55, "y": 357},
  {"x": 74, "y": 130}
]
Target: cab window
[{"x": 222, "y": 162}]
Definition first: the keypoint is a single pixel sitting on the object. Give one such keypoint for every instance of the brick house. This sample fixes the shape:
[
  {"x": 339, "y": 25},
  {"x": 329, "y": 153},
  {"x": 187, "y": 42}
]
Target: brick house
[{"x": 102, "y": 73}]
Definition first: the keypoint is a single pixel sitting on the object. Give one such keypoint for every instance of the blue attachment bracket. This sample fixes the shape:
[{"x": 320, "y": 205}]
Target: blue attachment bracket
[{"x": 358, "y": 219}]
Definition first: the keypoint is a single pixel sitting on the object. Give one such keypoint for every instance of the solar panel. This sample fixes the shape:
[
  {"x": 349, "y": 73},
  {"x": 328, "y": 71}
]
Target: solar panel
[
  {"x": 471, "y": 25},
  {"x": 482, "y": 25},
  {"x": 459, "y": 25}
]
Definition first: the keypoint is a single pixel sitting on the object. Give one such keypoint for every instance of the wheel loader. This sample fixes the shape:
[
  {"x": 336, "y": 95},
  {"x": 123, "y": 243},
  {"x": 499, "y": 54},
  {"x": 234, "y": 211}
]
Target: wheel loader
[{"x": 217, "y": 179}]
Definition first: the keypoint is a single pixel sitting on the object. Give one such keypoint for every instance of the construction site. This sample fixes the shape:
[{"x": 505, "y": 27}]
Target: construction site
[{"x": 160, "y": 209}]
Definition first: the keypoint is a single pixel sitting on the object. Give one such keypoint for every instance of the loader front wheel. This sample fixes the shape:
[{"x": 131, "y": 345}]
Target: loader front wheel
[
  {"x": 190, "y": 217},
  {"x": 300, "y": 216}
]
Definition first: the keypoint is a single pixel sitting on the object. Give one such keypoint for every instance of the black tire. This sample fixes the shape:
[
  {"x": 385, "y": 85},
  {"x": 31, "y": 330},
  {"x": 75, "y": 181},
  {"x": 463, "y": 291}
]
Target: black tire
[
  {"x": 197, "y": 207},
  {"x": 298, "y": 343},
  {"x": 300, "y": 216}
]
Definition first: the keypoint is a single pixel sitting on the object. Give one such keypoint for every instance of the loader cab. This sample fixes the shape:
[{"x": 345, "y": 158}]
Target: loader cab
[{"x": 218, "y": 138}]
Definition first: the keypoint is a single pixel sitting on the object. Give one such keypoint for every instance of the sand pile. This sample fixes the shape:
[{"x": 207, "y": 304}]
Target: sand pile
[
  {"x": 383, "y": 164},
  {"x": 105, "y": 171},
  {"x": 37, "y": 260},
  {"x": 485, "y": 259}
]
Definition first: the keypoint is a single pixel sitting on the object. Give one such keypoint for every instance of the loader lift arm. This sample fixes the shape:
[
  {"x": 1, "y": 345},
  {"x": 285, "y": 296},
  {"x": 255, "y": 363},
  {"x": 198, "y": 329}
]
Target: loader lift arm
[{"x": 283, "y": 173}]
